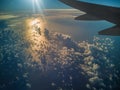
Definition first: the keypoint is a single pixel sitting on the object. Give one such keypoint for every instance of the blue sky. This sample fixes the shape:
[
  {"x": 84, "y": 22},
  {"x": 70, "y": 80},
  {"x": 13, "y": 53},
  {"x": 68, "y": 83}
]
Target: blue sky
[
  {"x": 50, "y": 4},
  {"x": 115, "y": 3},
  {"x": 57, "y": 4}
]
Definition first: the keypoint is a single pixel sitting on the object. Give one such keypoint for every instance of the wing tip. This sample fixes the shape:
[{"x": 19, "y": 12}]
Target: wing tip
[{"x": 114, "y": 31}]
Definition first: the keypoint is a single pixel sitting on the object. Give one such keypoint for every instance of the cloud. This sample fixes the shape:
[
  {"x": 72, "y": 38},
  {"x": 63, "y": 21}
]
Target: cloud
[
  {"x": 4, "y": 17},
  {"x": 56, "y": 56},
  {"x": 57, "y": 50}
]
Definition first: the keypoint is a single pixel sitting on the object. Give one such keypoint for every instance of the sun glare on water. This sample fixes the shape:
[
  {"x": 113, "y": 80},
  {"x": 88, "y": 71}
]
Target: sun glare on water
[
  {"x": 35, "y": 21},
  {"x": 35, "y": 29}
]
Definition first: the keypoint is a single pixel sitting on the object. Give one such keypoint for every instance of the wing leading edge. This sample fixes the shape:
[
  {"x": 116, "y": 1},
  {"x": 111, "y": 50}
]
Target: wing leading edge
[{"x": 98, "y": 12}]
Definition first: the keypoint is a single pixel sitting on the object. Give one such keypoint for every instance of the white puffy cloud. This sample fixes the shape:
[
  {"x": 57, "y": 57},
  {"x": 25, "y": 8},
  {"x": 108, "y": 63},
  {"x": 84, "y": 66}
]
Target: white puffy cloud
[
  {"x": 59, "y": 52},
  {"x": 56, "y": 49}
]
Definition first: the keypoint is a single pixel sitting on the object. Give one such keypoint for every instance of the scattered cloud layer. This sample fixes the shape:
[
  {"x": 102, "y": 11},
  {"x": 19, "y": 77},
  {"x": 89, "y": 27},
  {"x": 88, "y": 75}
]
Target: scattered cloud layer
[
  {"x": 3, "y": 17},
  {"x": 55, "y": 60}
]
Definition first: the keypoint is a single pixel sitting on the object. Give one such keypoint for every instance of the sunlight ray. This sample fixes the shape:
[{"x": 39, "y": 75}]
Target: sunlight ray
[
  {"x": 38, "y": 7},
  {"x": 33, "y": 5}
]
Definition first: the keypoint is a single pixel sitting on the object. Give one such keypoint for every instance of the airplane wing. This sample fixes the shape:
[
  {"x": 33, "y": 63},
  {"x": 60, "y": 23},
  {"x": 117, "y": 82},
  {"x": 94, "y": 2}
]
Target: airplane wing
[
  {"x": 109, "y": 13},
  {"x": 98, "y": 12},
  {"x": 114, "y": 31},
  {"x": 87, "y": 17}
]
